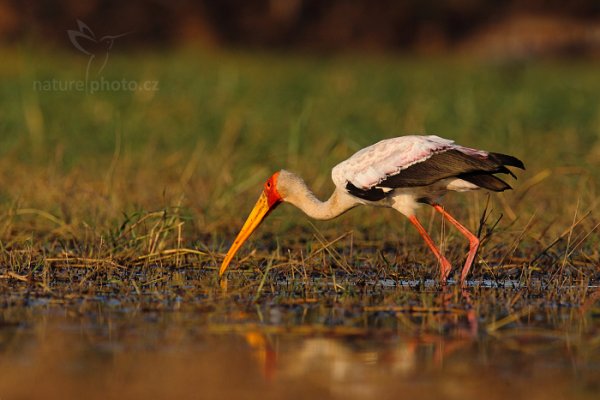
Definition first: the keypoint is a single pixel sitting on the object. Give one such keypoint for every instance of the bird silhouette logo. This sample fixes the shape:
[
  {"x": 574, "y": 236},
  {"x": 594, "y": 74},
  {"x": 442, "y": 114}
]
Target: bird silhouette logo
[{"x": 98, "y": 49}]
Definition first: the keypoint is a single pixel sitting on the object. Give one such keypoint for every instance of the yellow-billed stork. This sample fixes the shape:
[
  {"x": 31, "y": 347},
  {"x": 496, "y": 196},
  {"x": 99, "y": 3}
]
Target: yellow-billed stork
[{"x": 401, "y": 173}]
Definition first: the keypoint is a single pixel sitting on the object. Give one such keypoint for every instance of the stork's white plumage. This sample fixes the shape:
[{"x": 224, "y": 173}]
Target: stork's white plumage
[
  {"x": 369, "y": 166},
  {"x": 401, "y": 173}
]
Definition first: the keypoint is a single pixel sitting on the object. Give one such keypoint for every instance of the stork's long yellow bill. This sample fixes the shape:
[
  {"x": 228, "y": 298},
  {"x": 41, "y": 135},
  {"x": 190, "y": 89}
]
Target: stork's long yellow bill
[{"x": 258, "y": 213}]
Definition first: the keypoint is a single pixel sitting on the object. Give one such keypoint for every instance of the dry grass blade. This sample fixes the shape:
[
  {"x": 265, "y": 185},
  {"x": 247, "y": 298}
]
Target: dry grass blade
[
  {"x": 169, "y": 253},
  {"x": 41, "y": 213},
  {"x": 327, "y": 246},
  {"x": 82, "y": 262},
  {"x": 12, "y": 275}
]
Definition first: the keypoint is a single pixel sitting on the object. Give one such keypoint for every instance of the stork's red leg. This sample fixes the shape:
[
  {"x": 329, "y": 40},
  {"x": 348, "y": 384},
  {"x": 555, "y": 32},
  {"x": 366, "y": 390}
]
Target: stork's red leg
[
  {"x": 444, "y": 263},
  {"x": 473, "y": 240}
]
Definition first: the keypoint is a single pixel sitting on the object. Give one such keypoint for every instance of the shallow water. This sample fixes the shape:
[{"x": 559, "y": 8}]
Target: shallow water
[
  {"x": 113, "y": 349},
  {"x": 485, "y": 283}
]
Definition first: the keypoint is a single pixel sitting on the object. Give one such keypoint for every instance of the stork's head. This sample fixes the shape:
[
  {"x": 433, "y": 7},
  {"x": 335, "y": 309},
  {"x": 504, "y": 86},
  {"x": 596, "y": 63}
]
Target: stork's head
[{"x": 268, "y": 200}]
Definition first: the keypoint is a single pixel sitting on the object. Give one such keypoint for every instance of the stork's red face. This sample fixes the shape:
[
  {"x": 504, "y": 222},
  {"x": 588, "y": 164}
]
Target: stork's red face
[
  {"x": 268, "y": 200},
  {"x": 270, "y": 190}
]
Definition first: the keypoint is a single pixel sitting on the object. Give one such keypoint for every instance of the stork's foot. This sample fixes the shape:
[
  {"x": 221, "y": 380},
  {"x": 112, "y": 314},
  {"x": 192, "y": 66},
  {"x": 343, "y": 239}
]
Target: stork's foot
[{"x": 445, "y": 269}]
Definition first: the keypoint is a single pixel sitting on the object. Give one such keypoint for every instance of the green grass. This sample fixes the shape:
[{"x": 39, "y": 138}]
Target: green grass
[{"x": 119, "y": 175}]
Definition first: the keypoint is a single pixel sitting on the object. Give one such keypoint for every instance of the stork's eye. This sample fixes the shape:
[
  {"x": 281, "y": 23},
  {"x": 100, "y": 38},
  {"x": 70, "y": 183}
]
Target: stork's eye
[{"x": 269, "y": 185}]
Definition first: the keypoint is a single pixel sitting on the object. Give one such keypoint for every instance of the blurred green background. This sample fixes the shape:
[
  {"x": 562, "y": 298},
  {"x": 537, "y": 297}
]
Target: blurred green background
[{"x": 203, "y": 100}]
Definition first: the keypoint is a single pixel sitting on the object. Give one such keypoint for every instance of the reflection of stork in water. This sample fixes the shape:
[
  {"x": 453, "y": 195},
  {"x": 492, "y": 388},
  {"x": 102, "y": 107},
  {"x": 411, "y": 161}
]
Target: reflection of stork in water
[
  {"x": 98, "y": 50},
  {"x": 345, "y": 369}
]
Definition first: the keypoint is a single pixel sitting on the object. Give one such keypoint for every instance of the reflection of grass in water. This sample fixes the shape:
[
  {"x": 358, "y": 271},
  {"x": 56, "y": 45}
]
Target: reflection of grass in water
[{"x": 123, "y": 193}]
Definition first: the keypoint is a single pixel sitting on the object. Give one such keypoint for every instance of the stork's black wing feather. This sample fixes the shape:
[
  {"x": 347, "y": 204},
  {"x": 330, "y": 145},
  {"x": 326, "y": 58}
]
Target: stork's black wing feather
[
  {"x": 452, "y": 163},
  {"x": 505, "y": 159},
  {"x": 372, "y": 194},
  {"x": 486, "y": 180}
]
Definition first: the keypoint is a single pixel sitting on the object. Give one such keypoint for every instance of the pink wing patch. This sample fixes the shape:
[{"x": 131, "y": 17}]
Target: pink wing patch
[{"x": 371, "y": 165}]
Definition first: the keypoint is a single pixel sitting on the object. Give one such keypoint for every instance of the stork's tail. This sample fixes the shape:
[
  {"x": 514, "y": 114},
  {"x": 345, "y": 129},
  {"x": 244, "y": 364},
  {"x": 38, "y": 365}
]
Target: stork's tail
[{"x": 488, "y": 180}]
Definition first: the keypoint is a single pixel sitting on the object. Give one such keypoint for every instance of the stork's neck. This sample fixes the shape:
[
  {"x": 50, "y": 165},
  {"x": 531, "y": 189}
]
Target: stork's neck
[{"x": 302, "y": 197}]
